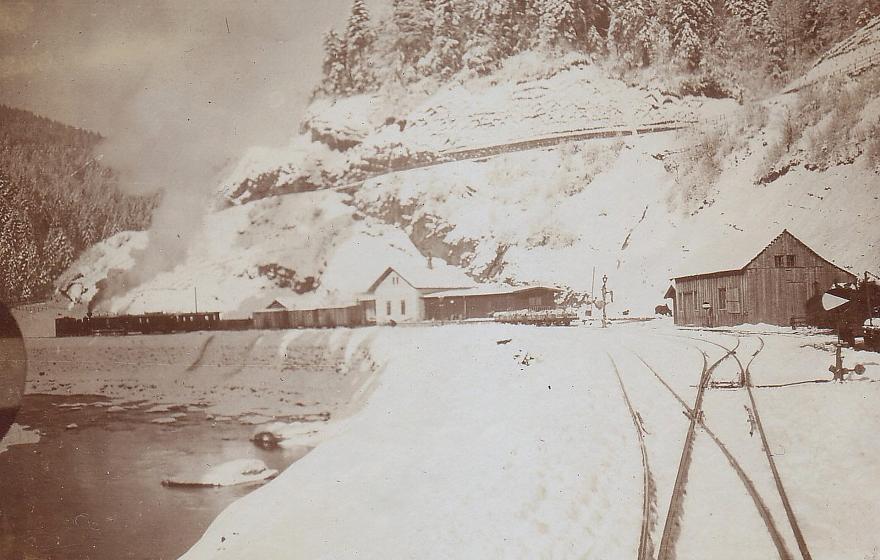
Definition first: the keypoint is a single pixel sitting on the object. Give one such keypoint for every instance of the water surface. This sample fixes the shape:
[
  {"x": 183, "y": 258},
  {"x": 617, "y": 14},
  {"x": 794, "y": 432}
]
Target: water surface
[{"x": 94, "y": 492}]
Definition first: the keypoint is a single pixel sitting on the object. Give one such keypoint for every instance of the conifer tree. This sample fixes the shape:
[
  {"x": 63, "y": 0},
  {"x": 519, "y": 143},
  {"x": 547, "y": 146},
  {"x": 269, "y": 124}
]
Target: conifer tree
[
  {"x": 444, "y": 57},
  {"x": 413, "y": 22},
  {"x": 557, "y": 22},
  {"x": 335, "y": 74},
  {"x": 629, "y": 35},
  {"x": 690, "y": 22},
  {"x": 359, "y": 41}
]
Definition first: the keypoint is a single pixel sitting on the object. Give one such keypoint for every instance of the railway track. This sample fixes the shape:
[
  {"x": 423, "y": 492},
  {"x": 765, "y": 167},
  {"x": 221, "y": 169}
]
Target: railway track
[
  {"x": 672, "y": 521},
  {"x": 765, "y": 445},
  {"x": 672, "y": 526},
  {"x": 646, "y": 546},
  {"x": 749, "y": 485},
  {"x": 783, "y": 495}
]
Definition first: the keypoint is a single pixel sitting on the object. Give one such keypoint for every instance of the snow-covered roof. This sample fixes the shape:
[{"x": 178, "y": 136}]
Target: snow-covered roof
[
  {"x": 732, "y": 253},
  {"x": 442, "y": 277},
  {"x": 310, "y": 301},
  {"x": 282, "y": 303},
  {"x": 488, "y": 290}
]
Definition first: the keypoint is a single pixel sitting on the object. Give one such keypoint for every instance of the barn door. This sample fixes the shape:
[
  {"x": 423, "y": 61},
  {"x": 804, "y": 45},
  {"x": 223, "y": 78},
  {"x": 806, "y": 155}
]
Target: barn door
[{"x": 796, "y": 301}]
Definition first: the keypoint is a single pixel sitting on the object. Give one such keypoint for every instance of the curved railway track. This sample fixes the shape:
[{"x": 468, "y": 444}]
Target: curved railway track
[
  {"x": 777, "y": 479},
  {"x": 646, "y": 546},
  {"x": 672, "y": 521},
  {"x": 749, "y": 485},
  {"x": 672, "y": 526}
]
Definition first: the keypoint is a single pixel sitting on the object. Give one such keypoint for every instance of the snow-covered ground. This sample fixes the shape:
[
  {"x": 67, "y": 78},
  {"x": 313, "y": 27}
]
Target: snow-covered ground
[
  {"x": 526, "y": 449},
  {"x": 251, "y": 375}
]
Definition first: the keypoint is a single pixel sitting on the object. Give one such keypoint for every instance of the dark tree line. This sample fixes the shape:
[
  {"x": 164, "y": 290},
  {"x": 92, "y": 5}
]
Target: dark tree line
[
  {"x": 56, "y": 200},
  {"x": 443, "y": 37}
]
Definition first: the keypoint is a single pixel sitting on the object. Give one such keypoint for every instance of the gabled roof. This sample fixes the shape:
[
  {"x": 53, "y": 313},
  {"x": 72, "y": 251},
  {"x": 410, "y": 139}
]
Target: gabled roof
[
  {"x": 311, "y": 301},
  {"x": 735, "y": 257},
  {"x": 443, "y": 277},
  {"x": 282, "y": 303},
  {"x": 489, "y": 290}
]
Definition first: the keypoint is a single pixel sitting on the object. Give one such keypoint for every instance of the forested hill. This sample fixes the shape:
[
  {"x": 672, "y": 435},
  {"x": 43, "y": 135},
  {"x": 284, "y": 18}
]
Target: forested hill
[
  {"x": 729, "y": 45},
  {"x": 55, "y": 201}
]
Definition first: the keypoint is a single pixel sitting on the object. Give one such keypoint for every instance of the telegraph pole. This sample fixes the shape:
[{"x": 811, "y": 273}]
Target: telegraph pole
[{"x": 605, "y": 293}]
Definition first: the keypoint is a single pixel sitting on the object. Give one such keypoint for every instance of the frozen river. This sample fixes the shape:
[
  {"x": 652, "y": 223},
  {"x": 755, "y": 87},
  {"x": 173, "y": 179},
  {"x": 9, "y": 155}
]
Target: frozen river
[{"x": 94, "y": 492}]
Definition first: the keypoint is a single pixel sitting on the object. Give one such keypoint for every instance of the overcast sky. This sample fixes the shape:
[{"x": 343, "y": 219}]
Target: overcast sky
[{"x": 178, "y": 86}]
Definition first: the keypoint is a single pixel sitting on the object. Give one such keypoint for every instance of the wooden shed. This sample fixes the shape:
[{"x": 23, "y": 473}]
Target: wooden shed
[
  {"x": 484, "y": 301},
  {"x": 773, "y": 287},
  {"x": 294, "y": 314}
]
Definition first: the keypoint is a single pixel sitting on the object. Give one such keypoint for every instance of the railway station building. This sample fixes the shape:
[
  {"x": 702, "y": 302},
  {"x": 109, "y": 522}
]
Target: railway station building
[
  {"x": 397, "y": 294},
  {"x": 739, "y": 285}
]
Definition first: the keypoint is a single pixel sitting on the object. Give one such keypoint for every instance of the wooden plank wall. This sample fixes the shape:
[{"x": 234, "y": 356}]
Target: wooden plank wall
[
  {"x": 690, "y": 293},
  {"x": 780, "y": 294},
  {"x": 768, "y": 293}
]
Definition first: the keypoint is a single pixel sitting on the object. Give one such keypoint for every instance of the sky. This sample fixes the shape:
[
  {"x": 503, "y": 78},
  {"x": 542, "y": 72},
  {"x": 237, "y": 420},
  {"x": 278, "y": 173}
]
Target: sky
[{"x": 178, "y": 88}]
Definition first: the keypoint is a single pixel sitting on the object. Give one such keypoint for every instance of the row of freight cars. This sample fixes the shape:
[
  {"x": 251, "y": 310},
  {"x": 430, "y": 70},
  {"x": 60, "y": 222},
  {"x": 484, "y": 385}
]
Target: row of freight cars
[
  {"x": 166, "y": 323},
  {"x": 150, "y": 323}
]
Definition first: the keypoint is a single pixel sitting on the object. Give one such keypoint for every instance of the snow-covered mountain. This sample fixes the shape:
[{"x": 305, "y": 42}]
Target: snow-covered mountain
[{"x": 532, "y": 176}]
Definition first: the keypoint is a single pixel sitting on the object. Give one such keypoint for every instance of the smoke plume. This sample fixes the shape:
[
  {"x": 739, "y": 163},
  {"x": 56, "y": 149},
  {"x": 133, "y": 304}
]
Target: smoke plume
[{"x": 178, "y": 89}]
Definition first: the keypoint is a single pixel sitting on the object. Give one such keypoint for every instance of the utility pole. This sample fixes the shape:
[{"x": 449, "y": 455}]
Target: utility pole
[
  {"x": 605, "y": 294},
  {"x": 868, "y": 301},
  {"x": 196, "y": 298}
]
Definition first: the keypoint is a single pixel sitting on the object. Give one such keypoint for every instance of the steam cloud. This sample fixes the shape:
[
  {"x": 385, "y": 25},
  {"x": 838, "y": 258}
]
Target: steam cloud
[{"x": 179, "y": 89}]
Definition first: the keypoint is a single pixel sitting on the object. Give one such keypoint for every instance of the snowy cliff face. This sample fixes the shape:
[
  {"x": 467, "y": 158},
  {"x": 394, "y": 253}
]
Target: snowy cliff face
[{"x": 547, "y": 179}]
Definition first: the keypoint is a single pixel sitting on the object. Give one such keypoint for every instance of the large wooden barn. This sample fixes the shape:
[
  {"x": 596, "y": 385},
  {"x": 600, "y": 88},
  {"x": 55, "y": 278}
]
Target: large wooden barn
[{"x": 773, "y": 287}]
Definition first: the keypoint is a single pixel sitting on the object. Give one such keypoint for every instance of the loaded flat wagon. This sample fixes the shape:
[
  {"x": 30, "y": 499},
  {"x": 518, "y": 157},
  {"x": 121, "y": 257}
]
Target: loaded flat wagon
[{"x": 549, "y": 316}]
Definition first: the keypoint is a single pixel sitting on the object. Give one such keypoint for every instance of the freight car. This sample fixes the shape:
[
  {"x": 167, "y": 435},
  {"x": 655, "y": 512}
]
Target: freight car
[
  {"x": 547, "y": 316},
  {"x": 148, "y": 323}
]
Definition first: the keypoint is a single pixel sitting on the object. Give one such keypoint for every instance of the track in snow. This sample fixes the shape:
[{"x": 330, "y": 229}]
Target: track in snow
[
  {"x": 646, "y": 547},
  {"x": 472, "y": 154},
  {"x": 777, "y": 479},
  {"x": 749, "y": 485},
  {"x": 672, "y": 527}
]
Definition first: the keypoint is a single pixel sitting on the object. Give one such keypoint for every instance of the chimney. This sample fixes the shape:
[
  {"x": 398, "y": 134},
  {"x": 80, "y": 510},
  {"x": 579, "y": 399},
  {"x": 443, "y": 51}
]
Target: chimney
[{"x": 430, "y": 263}]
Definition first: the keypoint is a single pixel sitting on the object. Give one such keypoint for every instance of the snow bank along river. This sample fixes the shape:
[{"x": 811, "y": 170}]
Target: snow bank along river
[
  {"x": 504, "y": 441},
  {"x": 112, "y": 417}
]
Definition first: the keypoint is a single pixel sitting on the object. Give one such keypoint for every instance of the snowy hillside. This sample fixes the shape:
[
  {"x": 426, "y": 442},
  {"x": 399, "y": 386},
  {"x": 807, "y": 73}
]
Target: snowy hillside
[
  {"x": 850, "y": 57},
  {"x": 640, "y": 206},
  {"x": 246, "y": 256}
]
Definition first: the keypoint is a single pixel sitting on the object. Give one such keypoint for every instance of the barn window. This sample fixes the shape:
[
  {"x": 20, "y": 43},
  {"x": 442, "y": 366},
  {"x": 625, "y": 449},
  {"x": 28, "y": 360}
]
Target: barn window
[
  {"x": 734, "y": 304},
  {"x": 402, "y": 307},
  {"x": 779, "y": 261},
  {"x": 722, "y": 298},
  {"x": 790, "y": 260},
  {"x": 387, "y": 308}
]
